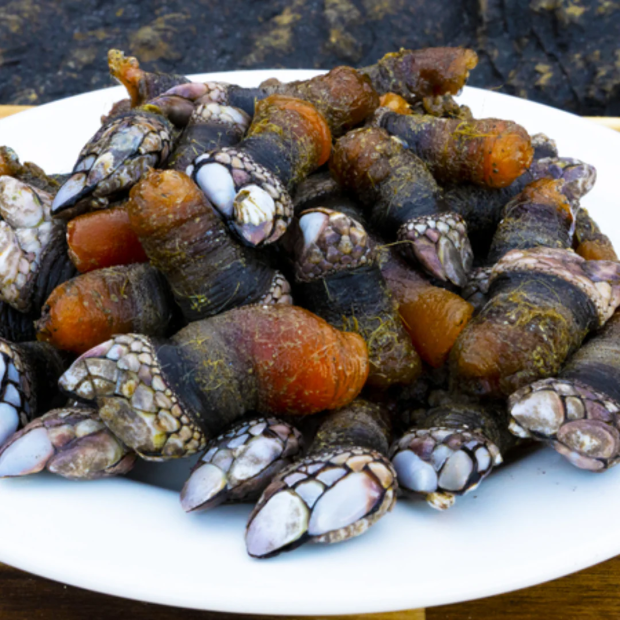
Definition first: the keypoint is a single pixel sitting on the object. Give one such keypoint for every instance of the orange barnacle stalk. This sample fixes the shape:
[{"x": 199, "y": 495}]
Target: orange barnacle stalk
[
  {"x": 433, "y": 316},
  {"x": 489, "y": 152},
  {"x": 103, "y": 239},
  {"x": 257, "y": 358},
  {"x": 88, "y": 309}
]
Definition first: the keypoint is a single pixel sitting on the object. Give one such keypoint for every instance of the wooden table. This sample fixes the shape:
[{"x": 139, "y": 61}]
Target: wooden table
[{"x": 588, "y": 595}]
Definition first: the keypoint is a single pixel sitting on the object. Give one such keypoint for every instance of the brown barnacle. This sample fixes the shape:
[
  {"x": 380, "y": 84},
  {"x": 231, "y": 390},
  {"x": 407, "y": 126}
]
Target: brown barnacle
[
  {"x": 344, "y": 485},
  {"x": 33, "y": 249},
  {"x": 489, "y": 152},
  {"x": 540, "y": 216},
  {"x": 481, "y": 207},
  {"x": 211, "y": 126},
  {"x": 450, "y": 449},
  {"x": 403, "y": 201},
  {"x": 339, "y": 279},
  {"x": 589, "y": 241},
  {"x": 113, "y": 160},
  {"x": 71, "y": 442},
  {"x": 429, "y": 72},
  {"x": 142, "y": 86},
  {"x": 543, "y": 302},
  {"x": 248, "y": 184},
  {"x": 29, "y": 374},
  {"x": 90, "y": 308},
  {"x": 577, "y": 412},
  {"x": 166, "y": 398},
  {"x": 239, "y": 463},
  {"x": 209, "y": 272},
  {"x": 344, "y": 96}
]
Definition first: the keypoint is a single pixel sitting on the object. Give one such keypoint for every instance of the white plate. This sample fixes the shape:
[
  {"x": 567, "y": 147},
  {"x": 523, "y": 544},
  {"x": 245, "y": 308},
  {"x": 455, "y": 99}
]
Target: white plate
[{"x": 532, "y": 521}]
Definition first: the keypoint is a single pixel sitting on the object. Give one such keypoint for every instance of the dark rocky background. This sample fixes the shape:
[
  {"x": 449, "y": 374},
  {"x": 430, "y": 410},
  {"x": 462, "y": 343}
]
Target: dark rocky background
[{"x": 564, "y": 53}]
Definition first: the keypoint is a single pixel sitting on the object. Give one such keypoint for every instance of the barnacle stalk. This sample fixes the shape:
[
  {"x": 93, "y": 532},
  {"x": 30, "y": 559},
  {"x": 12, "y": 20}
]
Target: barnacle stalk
[
  {"x": 142, "y": 86},
  {"x": 482, "y": 207},
  {"x": 103, "y": 239},
  {"x": 429, "y": 72},
  {"x": 578, "y": 412},
  {"x": 71, "y": 442},
  {"x": 543, "y": 302},
  {"x": 343, "y": 486},
  {"x": 339, "y": 279},
  {"x": 489, "y": 152},
  {"x": 403, "y": 201},
  {"x": 208, "y": 270},
  {"x": 590, "y": 242},
  {"x": 238, "y": 464},
  {"x": 167, "y": 398},
  {"x": 211, "y": 126},
  {"x": 90, "y": 308},
  {"x": 432, "y": 315}
]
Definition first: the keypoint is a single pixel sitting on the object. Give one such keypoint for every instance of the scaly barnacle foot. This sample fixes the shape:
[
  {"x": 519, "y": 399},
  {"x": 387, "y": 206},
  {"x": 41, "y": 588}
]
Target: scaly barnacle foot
[
  {"x": 238, "y": 464},
  {"x": 327, "y": 497},
  {"x": 113, "y": 160},
  {"x": 71, "y": 442},
  {"x": 440, "y": 463},
  {"x": 440, "y": 244},
  {"x": 249, "y": 197}
]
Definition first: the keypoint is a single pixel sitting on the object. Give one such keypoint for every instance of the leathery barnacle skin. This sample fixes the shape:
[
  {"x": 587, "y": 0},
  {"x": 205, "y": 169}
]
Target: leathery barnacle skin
[
  {"x": 403, "y": 201},
  {"x": 166, "y": 398},
  {"x": 340, "y": 280},
  {"x": 542, "y": 304},
  {"x": 209, "y": 272}
]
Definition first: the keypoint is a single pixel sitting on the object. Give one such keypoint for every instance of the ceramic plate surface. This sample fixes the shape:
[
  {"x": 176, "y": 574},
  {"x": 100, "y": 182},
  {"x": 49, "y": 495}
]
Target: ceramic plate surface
[{"x": 532, "y": 521}]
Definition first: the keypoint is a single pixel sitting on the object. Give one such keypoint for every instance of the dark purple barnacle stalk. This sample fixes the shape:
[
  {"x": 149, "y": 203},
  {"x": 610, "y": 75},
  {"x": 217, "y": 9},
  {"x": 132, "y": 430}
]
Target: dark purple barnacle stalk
[
  {"x": 337, "y": 491},
  {"x": 482, "y": 207},
  {"x": 207, "y": 269},
  {"x": 540, "y": 216},
  {"x": 71, "y": 442},
  {"x": 450, "y": 449},
  {"x": 339, "y": 279},
  {"x": 403, "y": 201},
  {"x": 249, "y": 184},
  {"x": 29, "y": 374},
  {"x": 238, "y": 464},
  {"x": 211, "y": 126},
  {"x": 542, "y": 304},
  {"x": 142, "y": 86},
  {"x": 578, "y": 412}
]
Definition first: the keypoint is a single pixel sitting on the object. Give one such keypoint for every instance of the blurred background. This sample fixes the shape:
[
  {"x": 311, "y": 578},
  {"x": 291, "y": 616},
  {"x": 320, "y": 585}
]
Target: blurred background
[{"x": 564, "y": 53}]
